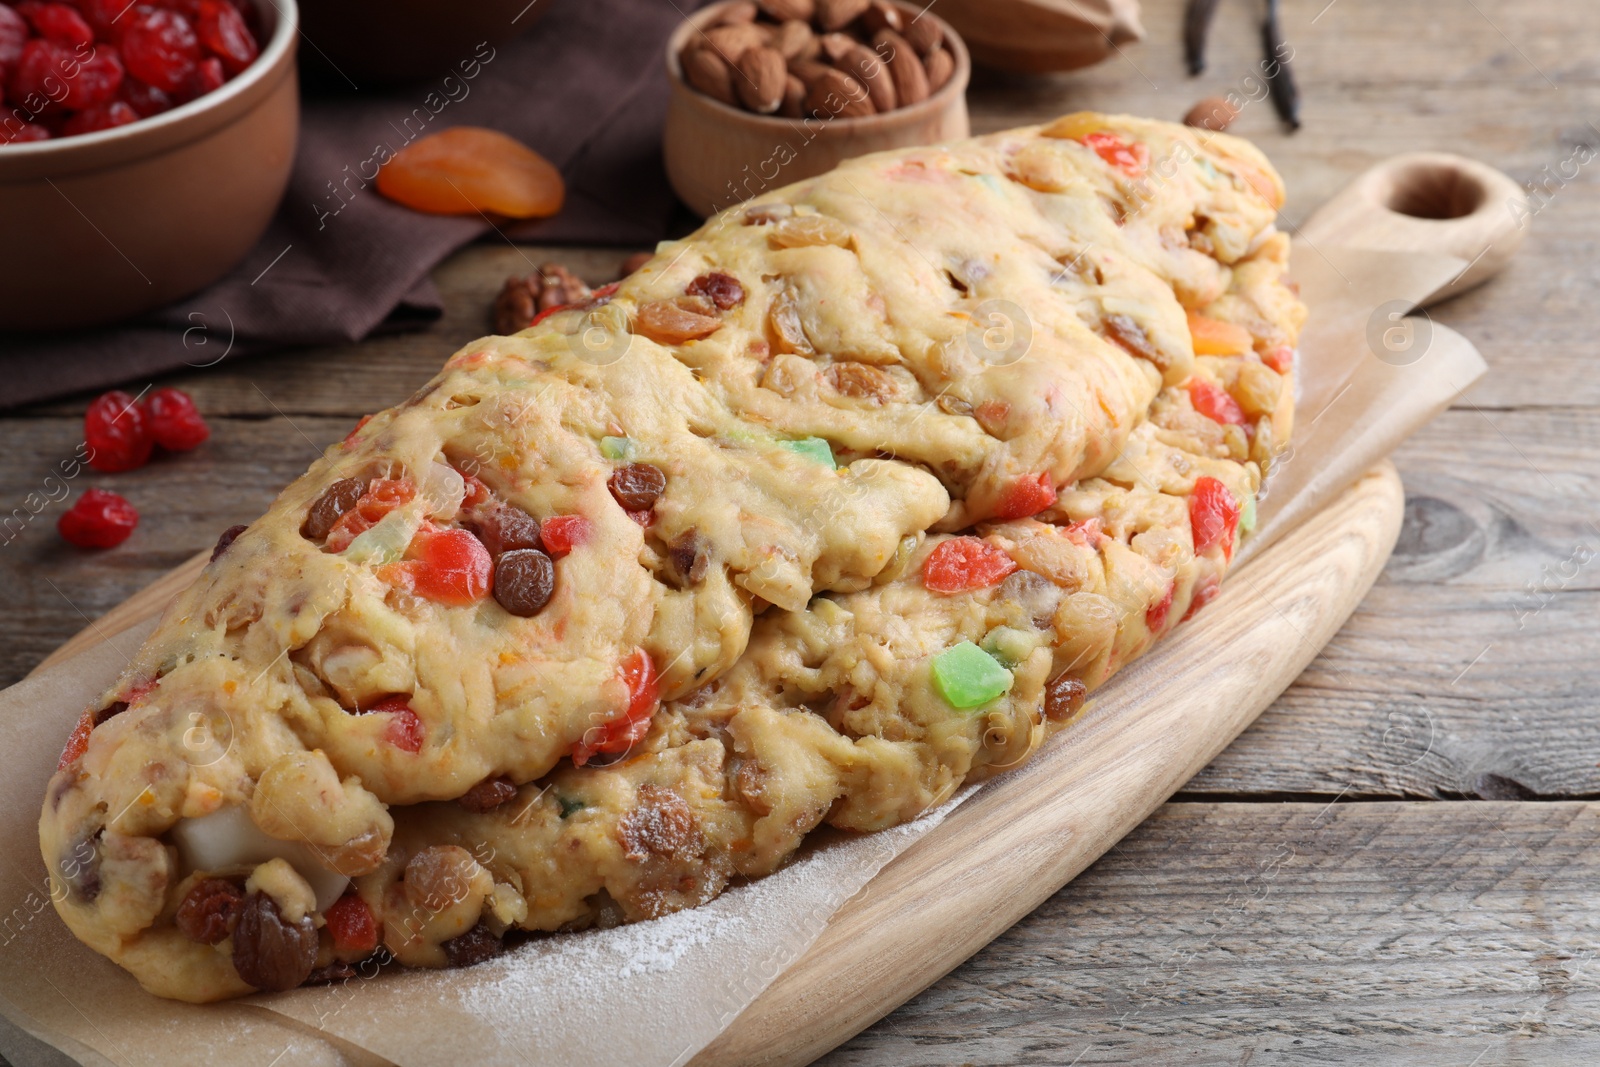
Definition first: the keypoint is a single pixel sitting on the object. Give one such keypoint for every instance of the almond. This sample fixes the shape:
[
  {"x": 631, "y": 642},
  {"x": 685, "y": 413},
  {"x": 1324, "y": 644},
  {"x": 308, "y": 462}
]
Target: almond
[
  {"x": 864, "y": 65},
  {"x": 761, "y": 80},
  {"x": 740, "y": 11},
  {"x": 809, "y": 71},
  {"x": 731, "y": 42},
  {"x": 795, "y": 39},
  {"x": 784, "y": 10},
  {"x": 836, "y": 94},
  {"x": 837, "y": 14},
  {"x": 794, "y": 98},
  {"x": 836, "y": 46},
  {"x": 708, "y": 72},
  {"x": 1212, "y": 113},
  {"x": 882, "y": 15},
  {"x": 939, "y": 65},
  {"x": 905, "y": 69},
  {"x": 924, "y": 35}
]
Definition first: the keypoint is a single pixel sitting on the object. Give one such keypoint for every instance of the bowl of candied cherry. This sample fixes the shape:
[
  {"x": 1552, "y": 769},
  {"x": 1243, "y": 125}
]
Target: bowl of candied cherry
[{"x": 144, "y": 146}]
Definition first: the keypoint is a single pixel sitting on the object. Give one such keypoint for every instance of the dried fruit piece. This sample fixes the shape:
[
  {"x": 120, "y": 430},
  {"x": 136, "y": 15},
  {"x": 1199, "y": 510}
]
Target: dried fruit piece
[
  {"x": 563, "y": 533},
  {"x": 1025, "y": 497},
  {"x": 269, "y": 952},
  {"x": 13, "y": 36},
  {"x": 468, "y": 170},
  {"x": 1130, "y": 158},
  {"x": 1213, "y": 337},
  {"x": 1214, "y": 403},
  {"x": 327, "y": 509},
  {"x": 507, "y": 528},
  {"x": 100, "y": 117},
  {"x": 965, "y": 563},
  {"x": 160, "y": 48},
  {"x": 57, "y": 22},
  {"x": 622, "y": 733},
  {"x": 488, "y": 794},
  {"x": 209, "y": 910},
  {"x": 174, "y": 421},
  {"x": 721, "y": 289},
  {"x": 524, "y": 581},
  {"x": 439, "y": 876},
  {"x": 447, "y": 566},
  {"x": 224, "y": 33},
  {"x": 1063, "y": 698},
  {"x": 1213, "y": 516},
  {"x": 968, "y": 677},
  {"x": 226, "y": 541},
  {"x": 637, "y": 486},
  {"x": 668, "y": 323},
  {"x": 117, "y": 433},
  {"x": 405, "y": 729},
  {"x": 352, "y": 925},
  {"x": 813, "y": 448},
  {"x": 476, "y": 945}
]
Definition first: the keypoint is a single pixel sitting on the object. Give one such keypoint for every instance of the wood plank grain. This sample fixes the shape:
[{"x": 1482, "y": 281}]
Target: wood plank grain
[
  {"x": 1383, "y": 934},
  {"x": 1028, "y": 831}
]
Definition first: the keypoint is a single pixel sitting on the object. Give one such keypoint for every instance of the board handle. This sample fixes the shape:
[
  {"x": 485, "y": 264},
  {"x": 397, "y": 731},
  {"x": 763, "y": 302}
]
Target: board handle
[{"x": 1430, "y": 202}]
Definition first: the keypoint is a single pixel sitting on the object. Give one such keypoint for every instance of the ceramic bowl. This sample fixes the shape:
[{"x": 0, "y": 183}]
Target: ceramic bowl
[
  {"x": 717, "y": 155},
  {"x": 106, "y": 225}
]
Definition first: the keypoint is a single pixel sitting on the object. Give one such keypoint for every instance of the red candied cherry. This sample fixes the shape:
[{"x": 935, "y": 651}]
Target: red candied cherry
[
  {"x": 98, "y": 520},
  {"x": 1026, "y": 496},
  {"x": 12, "y": 132},
  {"x": 47, "y": 67},
  {"x": 100, "y": 117},
  {"x": 147, "y": 100},
  {"x": 208, "y": 77},
  {"x": 117, "y": 433},
  {"x": 1155, "y": 616},
  {"x": 174, "y": 422},
  {"x": 563, "y": 533},
  {"x": 224, "y": 33},
  {"x": 13, "y": 35},
  {"x": 450, "y": 567},
  {"x": 405, "y": 730},
  {"x": 964, "y": 563},
  {"x": 628, "y": 729},
  {"x": 1213, "y": 516},
  {"x": 57, "y": 22},
  {"x": 1214, "y": 403},
  {"x": 351, "y": 925},
  {"x": 160, "y": 48}
]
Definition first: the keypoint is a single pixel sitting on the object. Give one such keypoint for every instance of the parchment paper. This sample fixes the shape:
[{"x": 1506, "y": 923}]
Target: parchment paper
[{"x": 655, "y": 993}]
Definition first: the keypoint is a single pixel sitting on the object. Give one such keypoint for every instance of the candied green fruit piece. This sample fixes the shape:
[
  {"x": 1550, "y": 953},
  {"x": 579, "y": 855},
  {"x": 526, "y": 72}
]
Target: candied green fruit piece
[
  {"x": 616, "y": 448},
  {"x": 967, "y": 676},
  {"x": 813, "y": 448}
]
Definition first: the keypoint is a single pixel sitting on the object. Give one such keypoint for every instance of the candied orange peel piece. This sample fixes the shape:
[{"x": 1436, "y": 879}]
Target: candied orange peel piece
[{"x": 466, "y": 170}]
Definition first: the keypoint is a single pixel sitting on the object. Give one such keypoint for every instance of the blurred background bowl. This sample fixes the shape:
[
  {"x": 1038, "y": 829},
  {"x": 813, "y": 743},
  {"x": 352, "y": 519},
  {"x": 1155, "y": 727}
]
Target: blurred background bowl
[
  {"x": 382, "y": 42},
  {"x": 106, "y": 225},
  {"x": 717, "y": 155}
]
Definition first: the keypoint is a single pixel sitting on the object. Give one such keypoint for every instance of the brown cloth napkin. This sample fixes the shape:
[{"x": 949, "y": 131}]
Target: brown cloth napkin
[{"x": 585, "y": 87}]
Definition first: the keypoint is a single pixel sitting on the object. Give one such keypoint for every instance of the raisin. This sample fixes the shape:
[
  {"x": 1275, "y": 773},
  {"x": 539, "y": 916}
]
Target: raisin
[
  {"x": 337, "y": 971},
  {"x": 226, "y": 540},
  {"x": 174, "y": 421},
  {"x": 160, "y": 48},
  {"x": 223, "y": 31},
  {"x": 117, "y": 433},
  {"x": 98, "y": 520},
  {"x": 1063, "y": 698},
  {"x": 335, "y": 500},
  {"x": 474, "y": 946},
  {"x": 209, "y": 910},
  {"x": 860, "y": 380},
  {"x": 637, "y": 486},
  {"x": 721, "y": 289},
  {"x": 269, "y": 952},
  {"x": 689, "y": 558},
  {"x": 662, "y": 824},
  {"x": 507, "y": 528},
  {"x": 669, "y": 323},
  {"x": 80, "y": 866},
  {"x": 524, "y": 581},
  {"x": 488, "y": 795},
  {"x": 110, "y": 711},
  {"x": 439, "y": 876}
]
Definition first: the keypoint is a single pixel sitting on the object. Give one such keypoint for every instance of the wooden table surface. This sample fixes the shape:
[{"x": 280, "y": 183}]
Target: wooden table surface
[{"x": 1396, "y": 864}]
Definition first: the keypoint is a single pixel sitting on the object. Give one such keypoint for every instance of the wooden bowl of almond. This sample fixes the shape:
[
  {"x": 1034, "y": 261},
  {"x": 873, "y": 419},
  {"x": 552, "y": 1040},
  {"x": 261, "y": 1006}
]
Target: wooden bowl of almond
[{"x": 767, "y": 92}]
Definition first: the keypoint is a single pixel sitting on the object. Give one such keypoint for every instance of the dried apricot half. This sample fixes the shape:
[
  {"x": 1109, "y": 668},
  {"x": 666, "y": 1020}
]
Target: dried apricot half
[{"x": 467, "y": 169}]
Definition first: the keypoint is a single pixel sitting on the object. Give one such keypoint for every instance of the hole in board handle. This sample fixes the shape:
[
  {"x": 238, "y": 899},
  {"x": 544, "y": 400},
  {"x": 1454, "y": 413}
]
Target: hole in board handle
[{"x": 1435, "y": 191}]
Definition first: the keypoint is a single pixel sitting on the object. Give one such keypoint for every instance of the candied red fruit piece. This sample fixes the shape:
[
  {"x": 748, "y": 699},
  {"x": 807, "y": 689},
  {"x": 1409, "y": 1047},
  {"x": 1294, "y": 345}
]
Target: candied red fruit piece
[
  {"x": 160, "y": 48},
  {"x": 147, "y": 100},
  {"x": 117, "y": 433},
  {"x": 352, "y": 925},
  {"x": 99, "y": 519},
  {"x": 628, "y": 729},
  {"x": 448, "y": 566},
  {"x": 58, "y": 22},
  {"x": 1025, "y": 497},
  {"x": 405, "y": 730},
  {"x": 100, "y": 117},
  {"x": 1214, "y": 403},
  {"x": 224, "y": 33},
  {"x": 12, "y": 132},
  {"x": 13, "y": 35},
  {"x": 174, "y": 421},
  {"x": 208, "y": 77},
  {"x": 563, "y": 533},
  {"x": 964, "y": 563},
  {"x": 1213, "y": 516}
]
